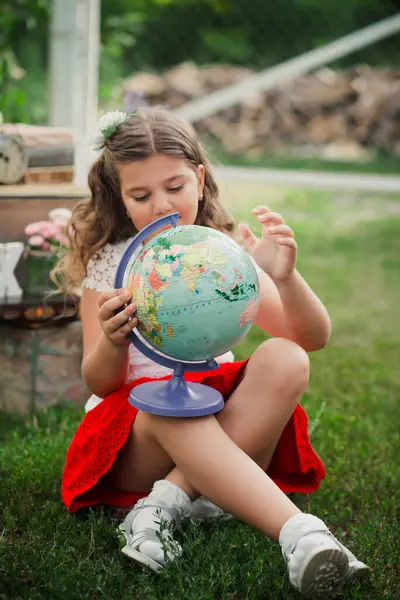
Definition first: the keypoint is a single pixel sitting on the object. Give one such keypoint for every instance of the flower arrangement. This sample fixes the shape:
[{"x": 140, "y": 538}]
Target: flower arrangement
[
  {"x": 47, "y": 242},
  {"x": 49, "y": 236}
]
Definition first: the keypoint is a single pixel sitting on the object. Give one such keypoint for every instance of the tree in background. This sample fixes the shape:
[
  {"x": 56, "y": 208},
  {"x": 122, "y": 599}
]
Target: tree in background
[{"x": 23, "y": 59}]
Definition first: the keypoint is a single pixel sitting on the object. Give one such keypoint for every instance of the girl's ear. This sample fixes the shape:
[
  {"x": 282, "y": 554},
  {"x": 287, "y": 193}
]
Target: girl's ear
[{"x": 201, "y": 175}]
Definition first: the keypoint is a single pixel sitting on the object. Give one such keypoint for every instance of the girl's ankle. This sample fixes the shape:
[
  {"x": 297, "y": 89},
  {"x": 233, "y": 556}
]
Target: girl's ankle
[{"x": 173, "y": 495}]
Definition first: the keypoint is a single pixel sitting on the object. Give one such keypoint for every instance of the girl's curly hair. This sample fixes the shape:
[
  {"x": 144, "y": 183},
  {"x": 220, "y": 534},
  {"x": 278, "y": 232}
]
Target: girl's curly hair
[{"x": 102, "y": 219}]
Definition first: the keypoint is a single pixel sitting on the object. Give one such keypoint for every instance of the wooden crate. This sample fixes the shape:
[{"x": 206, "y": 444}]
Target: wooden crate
[
  {"x": 49, "y": 175},
  {"x": 26, "y": 203}
]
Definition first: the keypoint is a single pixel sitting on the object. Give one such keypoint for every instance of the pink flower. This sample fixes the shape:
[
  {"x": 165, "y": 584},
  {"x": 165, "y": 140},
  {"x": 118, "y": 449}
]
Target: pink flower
[
  {"x": 47, "y": 230},
  {"x": 36, "y": 240},
  {"x": 32, "y": 229},
  {"x": 61, "y": 238},
  {"x": 40, "y": 227},
  {"x": 50, "y": 232}
]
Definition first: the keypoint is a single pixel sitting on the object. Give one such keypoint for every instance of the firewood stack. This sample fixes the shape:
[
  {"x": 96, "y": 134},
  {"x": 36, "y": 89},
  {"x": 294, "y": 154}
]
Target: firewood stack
[{"x": 330, "y": 114}]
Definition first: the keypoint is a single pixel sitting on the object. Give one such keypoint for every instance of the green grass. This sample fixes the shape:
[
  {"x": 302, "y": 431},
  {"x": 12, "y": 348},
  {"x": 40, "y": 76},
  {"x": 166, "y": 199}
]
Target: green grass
[{"x": 349, "y": 252}]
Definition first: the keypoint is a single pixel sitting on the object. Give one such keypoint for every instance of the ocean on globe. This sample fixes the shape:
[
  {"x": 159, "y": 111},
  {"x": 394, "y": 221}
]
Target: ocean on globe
[{"x": 196, "y": 292}]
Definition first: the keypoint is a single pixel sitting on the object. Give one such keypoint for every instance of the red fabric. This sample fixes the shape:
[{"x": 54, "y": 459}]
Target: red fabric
[{"x": 295, "y": 467}]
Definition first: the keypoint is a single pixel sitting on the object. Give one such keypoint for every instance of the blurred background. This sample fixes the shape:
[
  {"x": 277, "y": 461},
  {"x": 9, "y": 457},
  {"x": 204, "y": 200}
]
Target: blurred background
[{"x": 170, "y": 52}]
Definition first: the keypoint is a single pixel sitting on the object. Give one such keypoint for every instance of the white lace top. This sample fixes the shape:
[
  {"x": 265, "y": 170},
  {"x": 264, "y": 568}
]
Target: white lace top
[{"x": 101, "y": 271}]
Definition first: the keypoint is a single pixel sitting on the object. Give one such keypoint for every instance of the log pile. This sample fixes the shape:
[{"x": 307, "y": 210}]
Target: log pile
[{"x": 346, "y": 114}]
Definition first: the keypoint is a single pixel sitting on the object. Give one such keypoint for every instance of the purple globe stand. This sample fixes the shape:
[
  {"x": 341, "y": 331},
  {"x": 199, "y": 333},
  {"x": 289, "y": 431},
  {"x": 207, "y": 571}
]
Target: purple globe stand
[{"x": 174, "y": 397}]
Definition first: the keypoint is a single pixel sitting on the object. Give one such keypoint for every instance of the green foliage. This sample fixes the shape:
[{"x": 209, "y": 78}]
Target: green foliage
[
  {"x": 256, "y": 33},
  {"x": 155, "y": 34},
  {"x": 23, "y": 22}
]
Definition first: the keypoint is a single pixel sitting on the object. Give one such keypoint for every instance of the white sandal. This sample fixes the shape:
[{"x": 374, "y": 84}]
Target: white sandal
[
  {"x": 357, "y": 569},
  {"x": 318, "y": 564},
  {"x": 134, "y": 538}
]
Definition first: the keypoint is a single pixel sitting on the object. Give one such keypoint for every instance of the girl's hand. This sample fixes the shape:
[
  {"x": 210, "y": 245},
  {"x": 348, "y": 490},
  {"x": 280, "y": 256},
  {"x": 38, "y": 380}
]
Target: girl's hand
[
  {"x": 276, "y": 251},
  {"x": 117, "y": 326}
]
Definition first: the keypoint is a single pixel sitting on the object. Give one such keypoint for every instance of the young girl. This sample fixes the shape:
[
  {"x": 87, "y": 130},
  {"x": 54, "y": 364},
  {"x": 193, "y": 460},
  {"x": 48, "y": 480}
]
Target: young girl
[{"x": 247, "y": 456}]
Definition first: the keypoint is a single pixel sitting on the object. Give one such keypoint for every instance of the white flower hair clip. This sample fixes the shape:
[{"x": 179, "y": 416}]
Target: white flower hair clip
[{"x": 107, "y": 126}]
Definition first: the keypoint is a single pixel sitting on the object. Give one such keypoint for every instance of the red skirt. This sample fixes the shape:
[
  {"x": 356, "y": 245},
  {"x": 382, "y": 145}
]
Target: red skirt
[{"x": 295, "y": 467}]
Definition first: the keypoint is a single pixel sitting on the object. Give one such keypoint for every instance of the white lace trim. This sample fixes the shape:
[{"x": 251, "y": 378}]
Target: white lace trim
[{"x": 102, "y": 266}]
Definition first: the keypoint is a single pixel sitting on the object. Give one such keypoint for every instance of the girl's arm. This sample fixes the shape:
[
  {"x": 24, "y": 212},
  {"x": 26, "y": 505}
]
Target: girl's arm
[
  {"x": 290, "y": 309},
  {"x": 105, "y": 359}
]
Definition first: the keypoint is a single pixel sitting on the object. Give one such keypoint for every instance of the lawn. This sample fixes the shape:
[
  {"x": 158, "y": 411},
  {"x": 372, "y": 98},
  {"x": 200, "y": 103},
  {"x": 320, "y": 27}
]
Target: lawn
[
  {"x": 349, "y": 252},
  {"x": 379, "y": 161}
]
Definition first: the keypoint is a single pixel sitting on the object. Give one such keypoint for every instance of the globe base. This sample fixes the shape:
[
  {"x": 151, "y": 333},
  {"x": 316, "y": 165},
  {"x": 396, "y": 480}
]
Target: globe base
[{"x": 176, "y": 398}]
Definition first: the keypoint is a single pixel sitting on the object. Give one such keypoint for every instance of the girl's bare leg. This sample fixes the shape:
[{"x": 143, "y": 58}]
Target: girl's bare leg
[
  {"x": 215, "y": 466},
  {"x": 275, "y": 379},
  {"x": 211, "y": 462},
  {"x": 273, "y": 382}
]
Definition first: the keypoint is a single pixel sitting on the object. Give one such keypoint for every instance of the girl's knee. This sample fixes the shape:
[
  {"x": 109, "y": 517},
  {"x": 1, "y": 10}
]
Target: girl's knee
[
  {"x": 144, "y": 425},
  {"x": 282, "y": 360},
  {"x": 156, "y": 426}
]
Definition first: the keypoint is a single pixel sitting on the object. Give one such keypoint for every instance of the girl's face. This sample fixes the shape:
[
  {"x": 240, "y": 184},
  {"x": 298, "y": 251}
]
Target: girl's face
[{"x": 158, "y": 186}]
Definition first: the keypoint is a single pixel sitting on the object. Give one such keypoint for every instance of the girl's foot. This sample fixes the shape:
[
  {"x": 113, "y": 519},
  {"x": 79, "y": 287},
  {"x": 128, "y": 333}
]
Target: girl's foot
[
  {"x": 148, "y": 527},
  {"x": 318, "y": 564},
  {"x": 204, "y": 510}
]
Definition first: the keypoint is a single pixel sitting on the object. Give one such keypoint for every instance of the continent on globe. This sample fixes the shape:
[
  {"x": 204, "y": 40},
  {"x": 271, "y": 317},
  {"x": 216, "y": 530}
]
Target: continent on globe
[{"x": 249, "y": 313}]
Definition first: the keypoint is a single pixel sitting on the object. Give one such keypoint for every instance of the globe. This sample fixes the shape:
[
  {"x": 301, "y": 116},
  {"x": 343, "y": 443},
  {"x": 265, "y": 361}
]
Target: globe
[{"x": 196, "y": 292}]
